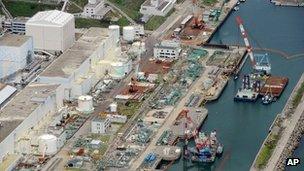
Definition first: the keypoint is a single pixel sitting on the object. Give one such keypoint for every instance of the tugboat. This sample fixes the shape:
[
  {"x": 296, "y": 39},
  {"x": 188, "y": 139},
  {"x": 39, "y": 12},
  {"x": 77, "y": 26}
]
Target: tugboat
[
  {"x": 206, "y": 148},
  {"x": 268, "y": 98}
]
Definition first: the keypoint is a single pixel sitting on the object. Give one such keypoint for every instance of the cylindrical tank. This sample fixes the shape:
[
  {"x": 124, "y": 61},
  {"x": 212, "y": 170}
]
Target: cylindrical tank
[
  {"x": 113, "y": 107},
  {"x": 92, "y": 1},
  {"x": 85, "y": 103},
  {"x": 120, "y": 69},
  {"x": 128, "y": 33},
  {"x": 114, "y": 29},
  {"x": 47, "y": 144}
]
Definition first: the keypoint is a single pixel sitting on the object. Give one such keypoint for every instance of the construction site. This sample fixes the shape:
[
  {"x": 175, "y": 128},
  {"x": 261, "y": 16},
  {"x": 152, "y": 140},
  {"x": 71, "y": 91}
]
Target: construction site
[{"x": 199, "y": 25}]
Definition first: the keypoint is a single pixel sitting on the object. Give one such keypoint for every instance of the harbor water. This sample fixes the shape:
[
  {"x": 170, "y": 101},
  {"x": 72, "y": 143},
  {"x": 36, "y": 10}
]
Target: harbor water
[{"x": 242, "y": 127}]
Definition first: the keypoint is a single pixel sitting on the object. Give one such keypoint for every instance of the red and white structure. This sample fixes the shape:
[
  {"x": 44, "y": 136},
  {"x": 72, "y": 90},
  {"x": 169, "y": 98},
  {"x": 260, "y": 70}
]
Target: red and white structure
[{"x": 260, "y": 65}]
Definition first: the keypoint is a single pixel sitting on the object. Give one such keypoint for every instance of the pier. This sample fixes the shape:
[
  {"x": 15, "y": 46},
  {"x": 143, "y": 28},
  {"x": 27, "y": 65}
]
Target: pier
[{"x": 289, "y": 125}]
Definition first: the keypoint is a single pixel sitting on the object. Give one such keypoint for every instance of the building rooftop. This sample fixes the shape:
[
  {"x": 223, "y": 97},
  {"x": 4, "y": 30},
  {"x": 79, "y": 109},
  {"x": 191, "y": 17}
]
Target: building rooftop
[
  {"x": 13, "y": 40},
  {"x": 22, "y": 105},
  {"x": 52, "y": 17},
  {"x": 72, "y": 58},
  {"x": 93, "y": 5}
]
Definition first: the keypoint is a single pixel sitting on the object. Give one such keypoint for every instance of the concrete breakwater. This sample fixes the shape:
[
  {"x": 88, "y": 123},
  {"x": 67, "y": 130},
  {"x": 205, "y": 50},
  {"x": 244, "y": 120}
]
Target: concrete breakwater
[
  {"x": 292, "y": 144},
  {"x": 288, "y": 128}
]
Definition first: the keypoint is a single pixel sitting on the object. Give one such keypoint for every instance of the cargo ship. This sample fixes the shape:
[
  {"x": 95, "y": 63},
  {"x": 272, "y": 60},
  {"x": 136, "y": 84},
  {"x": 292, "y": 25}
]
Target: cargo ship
[{"x": 206, "y": 149}]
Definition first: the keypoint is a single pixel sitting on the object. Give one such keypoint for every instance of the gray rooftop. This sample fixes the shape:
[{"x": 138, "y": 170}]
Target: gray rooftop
[
  {"x": 72, "y": 58},
  {"x": 13, "y": 40},
  {"x": 22, "y": 105}
]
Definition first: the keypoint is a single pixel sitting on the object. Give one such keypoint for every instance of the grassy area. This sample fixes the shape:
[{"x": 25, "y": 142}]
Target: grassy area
[
  {"x": 26, "y": 9},
  {"x": 209, "y": 2},
  {"x": 72, "y": 8},
  {"x": 130, "y": 7},
  {"x": 267, "y": 150},
  {"x": 128, "y": 109},
  {"x": 81, "y": 3},
  {"x": 298, "y": 96},
  {"x": 87, "y": 23},
  {"x": 156, "y": 21}
]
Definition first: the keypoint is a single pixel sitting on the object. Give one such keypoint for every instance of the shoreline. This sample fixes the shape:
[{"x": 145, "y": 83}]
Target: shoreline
[{"x": 290, "y": 125}]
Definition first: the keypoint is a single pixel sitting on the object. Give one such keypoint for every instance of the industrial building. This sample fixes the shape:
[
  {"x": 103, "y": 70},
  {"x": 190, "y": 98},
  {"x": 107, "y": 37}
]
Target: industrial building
[
  {"x": 6, "y": 91},
  {"x": 80, "y": 67},
  {"x": 157, "y": 7},
  {"x": 167, "y": 49},
  {"x": 25, "y": 111},
  {"x": 16, "y": 25},
  {"x": 100, "y": 125},
  {"x": 16, "y": 51},
  {"x": 51, "y": 30},
  {"x": 71, "y": 75},
  {"x": 95, "y": 9}
]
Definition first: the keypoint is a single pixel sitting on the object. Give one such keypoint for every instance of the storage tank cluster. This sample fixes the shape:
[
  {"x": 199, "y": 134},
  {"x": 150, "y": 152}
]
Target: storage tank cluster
[
  {"x": 128, "y": 33},
  {"x": 114, "y": 29},
  {"x": 47, "y": 144},
  {"x": 85, "y": 103}
]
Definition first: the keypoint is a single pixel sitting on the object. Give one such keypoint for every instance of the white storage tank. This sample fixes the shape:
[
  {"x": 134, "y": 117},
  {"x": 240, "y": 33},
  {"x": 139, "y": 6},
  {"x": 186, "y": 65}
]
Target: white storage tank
[
  {"x": 114, "y": 29},
  {"x": 113, "y": 107},
  {"x": 128, "y": 33},
  {"x": 47, "y": 144},
  {"x": 120, "y": 69},
  {"x": 85, "y": 103}
]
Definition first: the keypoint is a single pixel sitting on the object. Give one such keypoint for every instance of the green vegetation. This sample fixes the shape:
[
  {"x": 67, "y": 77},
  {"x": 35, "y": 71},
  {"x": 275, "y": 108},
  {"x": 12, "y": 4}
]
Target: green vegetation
[
  {"x": 26, "y": 9},
  {"x": 74, "y": 5},
  {"x": 267, "y": 150},
  {"x": 87, "y": 23},
  {"x": 128, "y": 109},
  {"x": 299, "y": 94},
  {"x": 80, "y": 3},
  {"x": 156, "y": 21},
  {"x": 130, "y": 7},
  {"x": 209, "y": 2}
]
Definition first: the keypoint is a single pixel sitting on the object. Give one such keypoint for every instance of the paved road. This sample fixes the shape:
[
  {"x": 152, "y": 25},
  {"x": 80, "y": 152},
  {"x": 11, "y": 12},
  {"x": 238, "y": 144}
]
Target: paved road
[{"x": 170, "y": 120}]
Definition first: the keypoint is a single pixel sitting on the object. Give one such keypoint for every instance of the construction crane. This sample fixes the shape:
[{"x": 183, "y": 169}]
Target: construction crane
[
  {"x": 198, "y": 22},
  {"x": 42, "y": 159},
  {"x": 260, "y": 65},
  {"x": 187, "y": 130}
]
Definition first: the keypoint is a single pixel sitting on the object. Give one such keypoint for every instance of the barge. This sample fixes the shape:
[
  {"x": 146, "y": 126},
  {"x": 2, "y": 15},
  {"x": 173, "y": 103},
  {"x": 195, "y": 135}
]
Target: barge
[{"x": 274, "y": 85}]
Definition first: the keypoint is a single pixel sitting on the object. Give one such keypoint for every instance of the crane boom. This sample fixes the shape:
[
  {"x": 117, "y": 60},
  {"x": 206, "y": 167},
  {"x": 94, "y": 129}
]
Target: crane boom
[{"x": 246, "y": 41}]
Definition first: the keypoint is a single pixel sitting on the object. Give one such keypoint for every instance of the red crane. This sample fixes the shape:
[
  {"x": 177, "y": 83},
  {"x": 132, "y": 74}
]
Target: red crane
[{"x": 198, "y": 22}]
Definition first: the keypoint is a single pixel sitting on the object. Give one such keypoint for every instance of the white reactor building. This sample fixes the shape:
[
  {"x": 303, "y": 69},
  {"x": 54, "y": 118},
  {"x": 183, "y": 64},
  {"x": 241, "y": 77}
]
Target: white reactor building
[{"x": 51, "y": 30}]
